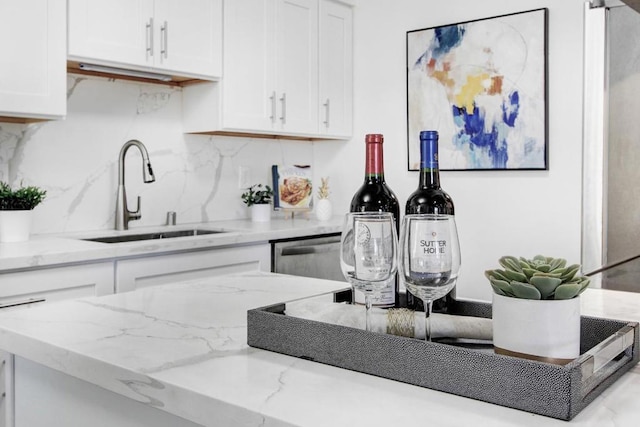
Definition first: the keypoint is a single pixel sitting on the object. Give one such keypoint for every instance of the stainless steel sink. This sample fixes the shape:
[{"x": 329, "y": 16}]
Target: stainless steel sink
[{"x": 152, "y": 236}]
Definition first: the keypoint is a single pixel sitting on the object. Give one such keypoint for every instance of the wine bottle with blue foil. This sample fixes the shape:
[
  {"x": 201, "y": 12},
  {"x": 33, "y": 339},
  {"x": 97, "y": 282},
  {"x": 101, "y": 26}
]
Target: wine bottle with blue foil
[
  {"x": 375, "y": 196},
  {"x": 430, "y": 198}
]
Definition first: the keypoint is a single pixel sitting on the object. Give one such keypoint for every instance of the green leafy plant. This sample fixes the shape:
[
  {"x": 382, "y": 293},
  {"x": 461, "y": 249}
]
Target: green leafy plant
[
  {"x": 255, "y": 195},
  {"x": 538, "y": 278},
  {"x": 24, "y": 198}
]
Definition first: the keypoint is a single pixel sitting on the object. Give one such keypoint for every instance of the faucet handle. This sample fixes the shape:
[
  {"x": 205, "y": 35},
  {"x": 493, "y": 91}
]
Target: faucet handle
[{"x": 133, "y": 215}]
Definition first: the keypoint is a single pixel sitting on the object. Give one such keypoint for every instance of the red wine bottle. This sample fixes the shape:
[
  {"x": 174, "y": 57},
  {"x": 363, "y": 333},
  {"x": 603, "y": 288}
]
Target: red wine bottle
[
  {"x": 429, "y": 198},
  {"x": 375, "y": 196}
]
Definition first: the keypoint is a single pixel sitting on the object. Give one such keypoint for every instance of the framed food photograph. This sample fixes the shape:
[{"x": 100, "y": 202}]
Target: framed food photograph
[
  {"x": 292, "y": 187},
  {"x": 482, "y": 85}
]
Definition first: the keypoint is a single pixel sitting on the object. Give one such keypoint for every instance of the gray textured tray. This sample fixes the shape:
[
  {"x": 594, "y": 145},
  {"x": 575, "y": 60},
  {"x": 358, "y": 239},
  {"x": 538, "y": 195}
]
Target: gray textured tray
[{"x": 609, "y": 348}]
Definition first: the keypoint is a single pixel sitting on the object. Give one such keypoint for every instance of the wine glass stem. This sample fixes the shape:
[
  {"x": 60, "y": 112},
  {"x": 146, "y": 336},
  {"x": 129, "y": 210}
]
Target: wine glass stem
[
  {"x": 367, "y": 305},
  {"x": 427, "y": 319}
]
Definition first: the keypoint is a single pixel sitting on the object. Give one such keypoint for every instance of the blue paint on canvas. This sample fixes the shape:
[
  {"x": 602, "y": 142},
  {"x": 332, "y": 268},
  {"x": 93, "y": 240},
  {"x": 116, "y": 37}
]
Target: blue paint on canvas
[
  {"x": 510, "y": 110},
  {"x": 445, "y": 39},
  {"x": 486, "y": 143}
]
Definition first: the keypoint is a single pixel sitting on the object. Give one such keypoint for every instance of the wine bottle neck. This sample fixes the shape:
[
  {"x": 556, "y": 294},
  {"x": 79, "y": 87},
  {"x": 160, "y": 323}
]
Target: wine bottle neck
[
  {"x": 374, "y": 166},
  {"x": 429, "y": 178},
  {"x": 429, "y": 166}
]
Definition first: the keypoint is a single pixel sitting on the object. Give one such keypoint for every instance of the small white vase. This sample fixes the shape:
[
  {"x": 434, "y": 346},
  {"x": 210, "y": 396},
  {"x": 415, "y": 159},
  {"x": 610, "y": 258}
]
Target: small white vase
[
  {"x": 15, "y": 226},
  {"x": 545, "y": 330},
  {"x": 323, "y": 209},
  {"x": 261, "y": 213}
]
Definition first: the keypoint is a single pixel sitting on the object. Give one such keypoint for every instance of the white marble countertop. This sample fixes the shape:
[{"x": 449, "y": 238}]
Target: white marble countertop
[
  {"x": 47, "y": 250},
  {"x": 183, "y": 348}
]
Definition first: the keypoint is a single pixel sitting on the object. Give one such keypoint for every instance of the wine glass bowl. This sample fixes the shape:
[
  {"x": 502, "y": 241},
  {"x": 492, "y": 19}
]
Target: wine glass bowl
[
  {"x": 429, "y": 258},
  {"x": 368, "y": 254}
]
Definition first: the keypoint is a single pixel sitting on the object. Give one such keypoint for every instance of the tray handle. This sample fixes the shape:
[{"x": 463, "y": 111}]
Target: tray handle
[{"x": 599, "y": 356}]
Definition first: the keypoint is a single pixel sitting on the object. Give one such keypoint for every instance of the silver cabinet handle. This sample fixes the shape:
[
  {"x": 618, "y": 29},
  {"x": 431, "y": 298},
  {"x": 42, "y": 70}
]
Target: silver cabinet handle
[
  {"x": 149, "y": 28},
  {"x": 313, "y": 249},
  {"x": 21, "y": 302},
  {"x": 164, "y": 45},
  {"x": 273, "y": 107},
  {"x": 326, "y": 105},
  {"x": 283, "y": 100}
]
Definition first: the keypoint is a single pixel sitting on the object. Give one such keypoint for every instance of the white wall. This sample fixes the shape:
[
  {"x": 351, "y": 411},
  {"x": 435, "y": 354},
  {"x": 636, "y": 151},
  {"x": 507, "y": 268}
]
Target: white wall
[{"x": 509, "y": 212}]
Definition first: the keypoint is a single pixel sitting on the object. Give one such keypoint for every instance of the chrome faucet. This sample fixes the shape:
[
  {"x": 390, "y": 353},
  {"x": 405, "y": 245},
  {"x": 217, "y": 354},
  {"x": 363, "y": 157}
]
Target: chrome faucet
[{"x": 123, "y": 214}]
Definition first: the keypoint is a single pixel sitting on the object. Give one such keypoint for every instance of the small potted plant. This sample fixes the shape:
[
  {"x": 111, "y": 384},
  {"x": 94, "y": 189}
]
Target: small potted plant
[
  {"x": 16, "y": 211},
  {"x": 536, "y": 309},
  {"x": 258, "y": 199},
  {"x": 323, "y": 208}
]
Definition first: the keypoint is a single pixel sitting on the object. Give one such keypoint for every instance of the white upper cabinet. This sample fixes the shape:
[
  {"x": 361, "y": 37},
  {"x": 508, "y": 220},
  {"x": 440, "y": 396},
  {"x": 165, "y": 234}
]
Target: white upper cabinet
[
  {"x": 248, "y": 80},
  {"x": 271, "y": 78},
  {"x": 33, "y": 82},
  {"x": 297, "y": 66},
  {"x": 179, "y": 38},
  {"x": 336, "y": 69},
  {"x": 189, "y": 36}
]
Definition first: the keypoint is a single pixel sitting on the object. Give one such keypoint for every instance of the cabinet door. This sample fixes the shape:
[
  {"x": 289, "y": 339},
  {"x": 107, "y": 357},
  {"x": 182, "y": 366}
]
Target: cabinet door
[
  {"x": 189, "y": 37},
  {"x": 248, "y": 91},
  {"x": 114, "y": 32},
  {"x": 336, "y": 69},
  {"x": 138, "y": 273},
  {"x": 297, "y": 65},
  {"x": 32, "y": 58}
]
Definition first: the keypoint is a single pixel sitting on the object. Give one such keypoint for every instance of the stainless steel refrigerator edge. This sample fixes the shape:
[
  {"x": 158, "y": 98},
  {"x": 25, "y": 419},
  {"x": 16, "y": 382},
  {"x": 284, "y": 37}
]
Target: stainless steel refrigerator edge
[{"x": 611, "y": 178}]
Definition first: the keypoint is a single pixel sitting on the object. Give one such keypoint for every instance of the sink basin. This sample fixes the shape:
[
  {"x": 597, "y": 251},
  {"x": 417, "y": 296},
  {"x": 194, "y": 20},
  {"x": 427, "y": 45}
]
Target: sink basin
[{"x": 152, "y": 236}]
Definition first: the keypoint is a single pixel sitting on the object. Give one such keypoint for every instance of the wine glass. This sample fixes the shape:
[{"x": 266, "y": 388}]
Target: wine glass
[
  {"x": 429, "y": 258},
  {"x": 368, "y": 254}
]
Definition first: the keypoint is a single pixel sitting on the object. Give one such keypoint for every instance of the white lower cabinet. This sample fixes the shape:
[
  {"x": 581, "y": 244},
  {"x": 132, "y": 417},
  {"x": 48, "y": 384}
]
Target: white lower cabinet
[
  {"x": 138, "y": 273},
  {"x": 6, "y": 383},
  {"x": 22, "y": 289},
  {"x": 56, "y": 284}
]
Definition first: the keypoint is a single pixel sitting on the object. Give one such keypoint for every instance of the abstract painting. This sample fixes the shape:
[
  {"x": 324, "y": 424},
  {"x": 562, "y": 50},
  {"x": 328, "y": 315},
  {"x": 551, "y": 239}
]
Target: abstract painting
[{"x": 482, "y": 85}]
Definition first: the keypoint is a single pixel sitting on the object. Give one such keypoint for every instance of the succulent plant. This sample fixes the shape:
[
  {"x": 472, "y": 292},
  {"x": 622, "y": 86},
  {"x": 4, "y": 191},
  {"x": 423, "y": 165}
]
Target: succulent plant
[
  {"x": 323, "y": 190},
  {"x": 538, "y": 278}
]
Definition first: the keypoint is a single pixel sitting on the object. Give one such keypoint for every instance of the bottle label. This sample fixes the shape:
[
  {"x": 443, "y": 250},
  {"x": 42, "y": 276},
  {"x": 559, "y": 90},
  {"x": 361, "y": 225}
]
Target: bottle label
[
  {"x": 373, "y": 252},
  {"x": 384, "y": 298},
  {"x": 371, "y": 266},
  {"x": 430, "y": 247}
]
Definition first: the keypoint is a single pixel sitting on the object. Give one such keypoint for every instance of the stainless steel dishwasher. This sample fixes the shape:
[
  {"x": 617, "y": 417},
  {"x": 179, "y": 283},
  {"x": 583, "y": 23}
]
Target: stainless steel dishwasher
[{"x": 317, "y": 256}]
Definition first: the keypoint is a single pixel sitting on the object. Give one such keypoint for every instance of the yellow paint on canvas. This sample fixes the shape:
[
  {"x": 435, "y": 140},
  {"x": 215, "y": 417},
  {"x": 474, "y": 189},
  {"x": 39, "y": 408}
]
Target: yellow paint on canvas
[{"x": 474, "y": 86}]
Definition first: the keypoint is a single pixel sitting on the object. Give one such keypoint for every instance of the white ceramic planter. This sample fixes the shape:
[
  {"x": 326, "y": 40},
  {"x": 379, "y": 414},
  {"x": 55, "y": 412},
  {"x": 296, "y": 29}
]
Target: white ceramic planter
[
  {"x": 534, "y": 329},
  {"x": 260, "y": 213},
  {"x": 15, "y": 226},
  {"x": 323, "y": 209}
]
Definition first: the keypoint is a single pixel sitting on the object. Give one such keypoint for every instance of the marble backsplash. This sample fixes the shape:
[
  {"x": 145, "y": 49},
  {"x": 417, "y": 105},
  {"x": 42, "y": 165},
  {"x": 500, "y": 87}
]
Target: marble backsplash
[{"x": 76, "y": 159}]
